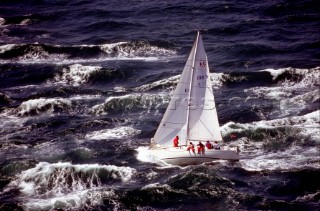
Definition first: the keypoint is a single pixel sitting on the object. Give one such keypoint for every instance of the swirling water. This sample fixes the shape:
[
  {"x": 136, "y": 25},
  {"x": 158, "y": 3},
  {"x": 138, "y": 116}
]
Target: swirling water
[{"x": 84, "y": 85}]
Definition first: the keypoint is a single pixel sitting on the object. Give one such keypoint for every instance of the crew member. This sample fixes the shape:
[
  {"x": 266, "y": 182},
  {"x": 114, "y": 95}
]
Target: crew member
[
  {"x": 216, "y": 145},
  {"x": 176, "y": 141},
  {"x": 200, "y": 148},
  {"x": 209, "y": 145},
  {"x": 190, "y": 147}
]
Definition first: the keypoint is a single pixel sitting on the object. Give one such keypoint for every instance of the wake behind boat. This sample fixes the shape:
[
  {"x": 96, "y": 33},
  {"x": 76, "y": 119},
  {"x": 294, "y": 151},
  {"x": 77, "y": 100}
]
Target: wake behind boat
[{"x": 192, "y": 116}]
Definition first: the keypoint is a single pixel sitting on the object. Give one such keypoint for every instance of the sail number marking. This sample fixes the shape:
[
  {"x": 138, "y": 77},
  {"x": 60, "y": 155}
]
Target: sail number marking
[{"x": 202, "y": 77}]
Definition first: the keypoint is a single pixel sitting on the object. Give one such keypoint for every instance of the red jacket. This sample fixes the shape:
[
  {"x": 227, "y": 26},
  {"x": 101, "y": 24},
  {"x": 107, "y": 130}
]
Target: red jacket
[{"x": 175, "y": 142}]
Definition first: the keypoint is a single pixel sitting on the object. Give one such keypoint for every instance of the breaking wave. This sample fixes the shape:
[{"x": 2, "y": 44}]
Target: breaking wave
[
  {"x": 132, "y": 103},
  {"x": 43, "y": 53},
  {"x": 42, "y": 105},
  {"x": 282, "y": 80},
  {"x": 306, "y": 125},
  {"x": 75, "y": 75},
  {"x": 294, "y": 77},
  {"x": 114, "y": 133},
  {"x": 299, "y": 104},
  {"x": 292, "y": 92},
  {"x": 170, "y": 83},
  {"x": 291, "y": 140},
  {"x": 18, "y": 20},
  {"x": 135, "y": 49},
  {"x": 288, "y": 82},
  {"x": 64, "y": 185}
]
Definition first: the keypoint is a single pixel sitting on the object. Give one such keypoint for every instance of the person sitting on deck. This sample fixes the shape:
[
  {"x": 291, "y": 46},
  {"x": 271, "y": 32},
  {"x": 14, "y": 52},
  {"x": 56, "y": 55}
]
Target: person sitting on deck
[
  {"x": 209, "y": 145},
  {"x": 200, "y": 148},
  {"x": 176, "y": 141},
  {"x": 216, "y": 145},
  {"x": 190, "y": 146}
]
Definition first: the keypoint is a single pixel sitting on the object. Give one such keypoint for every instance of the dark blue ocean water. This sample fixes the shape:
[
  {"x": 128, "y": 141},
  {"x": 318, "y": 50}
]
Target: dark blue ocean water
[{"x": 84, "y": 85}]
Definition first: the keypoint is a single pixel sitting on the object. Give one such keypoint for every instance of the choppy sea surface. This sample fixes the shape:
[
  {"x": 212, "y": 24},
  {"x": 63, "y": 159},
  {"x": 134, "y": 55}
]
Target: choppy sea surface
[{"x": 84, "y": 85}]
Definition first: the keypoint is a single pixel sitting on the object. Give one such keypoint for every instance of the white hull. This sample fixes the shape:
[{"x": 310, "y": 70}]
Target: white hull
[{"x": 182, "y": 157}]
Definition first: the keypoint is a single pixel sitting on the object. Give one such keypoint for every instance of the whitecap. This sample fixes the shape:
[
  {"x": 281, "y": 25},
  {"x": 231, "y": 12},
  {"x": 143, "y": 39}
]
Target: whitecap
[
  {"x": 7, "y": 47},
  {"x": 135, "y": 50},
  {"x": 85, "y": 97},
  {"x": 114, "y": 133},
  {"x": 292, "y": 158},
  {"x": 65, "y": 185},
  {"x": 163, "y": 82},
  {"x": 144, "y": 155},
  {"x": 170, "y": 83},
  {"x": 2, "y": 21},
  {"x": 307, "y": 77},
  {"x": 290, "y": 155},
  {"x": 309, "y": 120},
  {"x": 75, "y": 75},
  {"x": 37, "y": 54},
  {"x": 156, "y": 185},
  {"x": 132, "y": 102},
  {"x": 42, "y": 105}
]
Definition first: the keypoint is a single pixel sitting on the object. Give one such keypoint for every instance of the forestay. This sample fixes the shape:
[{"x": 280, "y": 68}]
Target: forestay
[{"x": 199, "y": 120}]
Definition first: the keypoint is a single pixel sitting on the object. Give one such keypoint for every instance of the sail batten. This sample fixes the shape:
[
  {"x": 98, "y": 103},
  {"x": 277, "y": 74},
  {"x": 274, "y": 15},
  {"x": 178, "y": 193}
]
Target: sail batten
[{"x": 191, "y": 113}]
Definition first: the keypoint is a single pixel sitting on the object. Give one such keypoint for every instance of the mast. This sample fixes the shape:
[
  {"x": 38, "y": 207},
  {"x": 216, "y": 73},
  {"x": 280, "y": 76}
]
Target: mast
[{"x": 190, "y": 87}]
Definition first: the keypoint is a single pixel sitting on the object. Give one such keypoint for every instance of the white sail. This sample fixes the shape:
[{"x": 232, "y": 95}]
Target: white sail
[
  {"x": 198, "y": 121},
  {"x": 203, "y": 120}
]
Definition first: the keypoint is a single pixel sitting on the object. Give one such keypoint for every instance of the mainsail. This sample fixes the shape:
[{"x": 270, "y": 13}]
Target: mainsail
[{"x": 191, "y": 113}]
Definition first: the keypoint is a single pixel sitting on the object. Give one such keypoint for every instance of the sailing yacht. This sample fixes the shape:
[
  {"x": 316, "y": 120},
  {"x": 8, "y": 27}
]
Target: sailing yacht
[{"x": 191, "y": 115}]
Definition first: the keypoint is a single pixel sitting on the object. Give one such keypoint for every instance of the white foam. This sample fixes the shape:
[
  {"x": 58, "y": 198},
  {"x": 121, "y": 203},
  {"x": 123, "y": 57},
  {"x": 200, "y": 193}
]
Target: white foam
[
  {"x": 25, "y": 22},
  {"x": 36, "y": 54},
  {"x": 171, "y": 80},
  {"x": 75, "y": 75},
  {"x": 308, "y": 197},
  {"x": 284, "y": 100},
  {"x": 310, "y": 77},
  {"x": 114, "y": 133},
  {"x": 119, "y": 89},
  {"x": 63, "y": 59},
  {"x": 64, "y": 185},
  {"x": 2, "y": 21},
  {"x": 145, "y": 102},
  {"x": 152, "y": 175},
  {"x": 253, "y": 157},
  {"x": 309, "y": 120},
  {"x": 276, "y": 93},
  {"x": 42, "y": 105},
  {"x": 216, "y": 79},
  {"x": 7, "y": 47},
  {"x": 298, "y": 103},
  {"x": 85, "y": 97},
  {"x": 8, "y": 121},
  {"x": 144, "y": 155},
  {"x": 134, "y": 50},
  {"x": 80, "y": 200},
  {"x": 156, "y": 185},
  {"x": 303, "y": 79},
  {"x": 292, "y": 158},
  {"x": 275, "y": 72},
  {"x": 32, "y": 180},
  {"x": 115, "y": 51}
]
